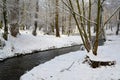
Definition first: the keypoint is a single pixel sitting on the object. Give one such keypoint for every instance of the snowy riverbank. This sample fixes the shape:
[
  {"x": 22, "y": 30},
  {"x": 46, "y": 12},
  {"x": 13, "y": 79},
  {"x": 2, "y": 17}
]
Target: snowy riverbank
[
  {"x": 70, "y": 66},
  {"x": 26, "y": 43}
]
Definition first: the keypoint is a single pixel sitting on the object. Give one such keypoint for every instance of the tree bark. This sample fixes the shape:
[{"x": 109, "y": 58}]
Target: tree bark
[
  {"x": 84, "y": 14},
  {"x": 36, "y": 17},
  {"x": 83, "y": 31},
  {"x": 95, "y": 46},
  {"x": 89, "y": 24},
  {"x": 5, "y": 34},
  {"x": 70, "y": 25},
  {"x": 118, "y": 25},
  {"x": 14, "y": 26},
  {"x": 57, "y": 19}
]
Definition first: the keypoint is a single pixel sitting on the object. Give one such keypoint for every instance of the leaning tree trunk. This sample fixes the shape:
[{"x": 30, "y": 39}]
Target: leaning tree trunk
[
  {"x": 36, "y": 17},
  {"x": 84, "y": 14},
  {"x": 5, "y": 34},
  {"x": 57, "y": 20},
  {"x": 82, "y": 28},
  {"x": 83, "y": 33}
]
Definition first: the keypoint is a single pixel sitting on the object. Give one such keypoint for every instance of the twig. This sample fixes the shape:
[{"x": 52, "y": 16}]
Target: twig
[
  {"x": 109, "y": 19},
  {"x": 85, "y": 18},
  {"x": 68, "y": 69},
  {"x": 111, "y": 15}
]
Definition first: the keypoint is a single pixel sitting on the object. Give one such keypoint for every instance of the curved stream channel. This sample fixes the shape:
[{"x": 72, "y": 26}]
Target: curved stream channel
[{"x": 12, "y": 69}]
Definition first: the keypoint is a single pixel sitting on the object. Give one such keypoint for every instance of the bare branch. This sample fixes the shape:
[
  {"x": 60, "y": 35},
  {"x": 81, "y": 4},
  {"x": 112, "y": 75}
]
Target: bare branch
[
  {"x": 67, "y": 69},
  {"x": 85, "y": 18},
  {"x": 78, "y": 13},
  {"x": 111, "y": 16}
]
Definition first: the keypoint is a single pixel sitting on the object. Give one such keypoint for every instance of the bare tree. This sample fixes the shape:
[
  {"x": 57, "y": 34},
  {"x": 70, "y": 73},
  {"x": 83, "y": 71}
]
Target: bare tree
[
  {"x": 36, "y": 18},
  {"x": 14, "y": 17},
  {"x": 57, "y": 19},
  {"x": 90, "y": 45},
  {"x": 5, "y": 34},
  {"x": 86, "y": 37}
]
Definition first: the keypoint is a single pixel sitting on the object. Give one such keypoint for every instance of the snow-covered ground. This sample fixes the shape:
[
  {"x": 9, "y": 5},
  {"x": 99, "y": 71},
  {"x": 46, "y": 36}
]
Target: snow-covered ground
[
  {"x": 70, "y": 66},
  {"x": 26, "y": 43}
]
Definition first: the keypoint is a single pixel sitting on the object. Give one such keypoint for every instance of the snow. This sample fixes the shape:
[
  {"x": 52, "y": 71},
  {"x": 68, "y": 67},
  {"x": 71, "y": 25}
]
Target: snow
[
  {"x": 26, "y": 43},
  {"x": 70, "y": 66}
]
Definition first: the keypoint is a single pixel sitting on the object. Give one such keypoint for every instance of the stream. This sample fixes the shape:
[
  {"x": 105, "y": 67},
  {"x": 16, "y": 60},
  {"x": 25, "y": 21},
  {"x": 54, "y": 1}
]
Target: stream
[{"x": 13, "y": 68}]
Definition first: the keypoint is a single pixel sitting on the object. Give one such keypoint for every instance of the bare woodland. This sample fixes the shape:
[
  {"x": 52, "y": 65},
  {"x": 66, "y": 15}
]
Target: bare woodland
[{"x": 55, "y": 17}]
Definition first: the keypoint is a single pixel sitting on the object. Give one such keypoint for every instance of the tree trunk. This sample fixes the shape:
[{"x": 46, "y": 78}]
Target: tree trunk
[
  {"x": 63, "y": 20},
  {"x": 95, "y": 46},
  {"x": 89, "y": 24},
  {"x": 117, "y": 32},
  {"x": 102, "y": 36},
  {"x": 57, "y": 19},
  {"x": 118, "y": 25},
  {"x": 63, "y": 24},
  {"x": 84, "y": 14},
  {"x": 14, "y": 29},
  {"x": 83, "y": 32},
  {"x": 5, "y": 34},
  {"x": 70, "y": 25},
  {"x": 36, "y": 17},
  {"x": 1, "y": 24},
  {"x": 14, "y": 26}
]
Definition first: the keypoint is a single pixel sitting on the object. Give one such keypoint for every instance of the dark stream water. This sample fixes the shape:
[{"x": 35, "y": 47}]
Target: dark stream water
[{"x": 12, "y": 69}]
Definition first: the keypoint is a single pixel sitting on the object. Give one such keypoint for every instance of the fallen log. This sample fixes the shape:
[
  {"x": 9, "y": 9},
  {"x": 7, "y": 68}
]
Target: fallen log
[{"x": 96, "y": 64}]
